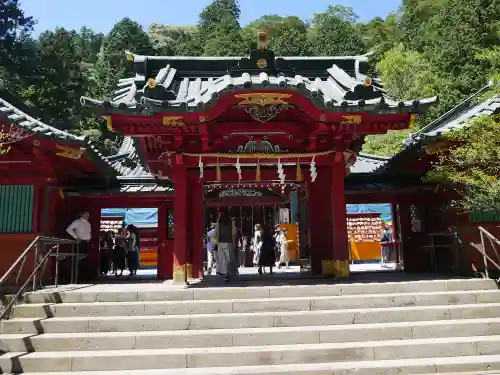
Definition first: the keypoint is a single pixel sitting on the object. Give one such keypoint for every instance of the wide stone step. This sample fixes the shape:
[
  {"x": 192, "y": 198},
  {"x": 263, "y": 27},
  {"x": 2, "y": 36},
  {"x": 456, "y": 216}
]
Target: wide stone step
[
  {"x": 254, "y": 355},
  {"x": 161, "y": 292},
  {"x": 254, "y": 305},
  {"x": 248, "y": 337},
  {"x": 442, "y": 365},
  {"x": 249, "y": 320}
]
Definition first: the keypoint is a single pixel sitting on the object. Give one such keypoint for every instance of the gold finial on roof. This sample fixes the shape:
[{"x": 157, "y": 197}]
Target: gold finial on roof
[{"x": 262, "y": 39}]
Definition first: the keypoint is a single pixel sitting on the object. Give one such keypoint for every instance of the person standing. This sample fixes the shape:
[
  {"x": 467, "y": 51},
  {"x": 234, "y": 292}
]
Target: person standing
[
  {"x": 257, "y": 244},
  {"x": 225, "y": 253},
  {"x": 211, "y": 247},
  {"x": 120, "y": 251},
  {"x": 267, "y": 256},
  {"x": 81, "y": 230},
  {"x": 133, "y": 248},
  {"x": 385, "y": 242},
  {"x": 283, "y": 246},
  {"x": 132, "y": 251}
]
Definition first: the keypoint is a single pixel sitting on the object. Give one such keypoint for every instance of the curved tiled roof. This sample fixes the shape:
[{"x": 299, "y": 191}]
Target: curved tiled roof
[
  {"x": 17, "y": 117},
  {"x": 127, "y": 163},
  {"x": 367, "y": 163},
  {"x": 457, "y": 118},
  {"x": 193, "y": 84}
]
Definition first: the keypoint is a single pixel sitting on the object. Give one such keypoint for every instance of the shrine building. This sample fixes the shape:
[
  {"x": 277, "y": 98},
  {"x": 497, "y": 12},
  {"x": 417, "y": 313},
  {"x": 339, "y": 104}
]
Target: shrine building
[{"x": 291, "y": 125}]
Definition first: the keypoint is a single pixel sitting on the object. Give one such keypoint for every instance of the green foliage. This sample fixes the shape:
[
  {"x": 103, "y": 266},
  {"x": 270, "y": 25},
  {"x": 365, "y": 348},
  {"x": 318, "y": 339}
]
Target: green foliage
[
  {"x": 111, "y": 64},
  {"x": 385, "y": 144},
  {"x": 334, "y": 33},
  {"x": 380, "y": 35},
  {"x": 219, "y": 29},
  {"x": 175, "y": 41},
  {"x": 59, "y": 82},
  {"x": 472, "y": 165}
]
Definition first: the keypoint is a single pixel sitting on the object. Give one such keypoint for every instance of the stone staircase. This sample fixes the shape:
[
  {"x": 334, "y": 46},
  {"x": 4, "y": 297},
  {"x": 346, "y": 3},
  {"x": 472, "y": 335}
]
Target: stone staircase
[{"x": 421, "y": 327}]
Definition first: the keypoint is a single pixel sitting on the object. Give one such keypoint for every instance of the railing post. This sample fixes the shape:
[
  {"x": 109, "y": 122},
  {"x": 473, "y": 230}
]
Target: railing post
[
  {"x": 485, "y": 261},
  {"x": 35, "y": 263},
  {"x": 56, "y": 281}
]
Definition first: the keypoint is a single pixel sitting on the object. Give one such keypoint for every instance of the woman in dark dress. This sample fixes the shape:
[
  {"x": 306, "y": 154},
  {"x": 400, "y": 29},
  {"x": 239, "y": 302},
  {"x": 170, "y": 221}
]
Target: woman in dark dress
[
  {"x": 267, "y": 254},
  {"x": 120, "y": 251}
]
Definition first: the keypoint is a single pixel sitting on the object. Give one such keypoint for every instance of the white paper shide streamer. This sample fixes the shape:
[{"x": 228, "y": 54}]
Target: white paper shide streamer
[
  {"x": 313, "y": 169},
  {"x": 200, "y": 165},
  {"x": 238, "y": 169},
  {"x": 281, "y": 172}
]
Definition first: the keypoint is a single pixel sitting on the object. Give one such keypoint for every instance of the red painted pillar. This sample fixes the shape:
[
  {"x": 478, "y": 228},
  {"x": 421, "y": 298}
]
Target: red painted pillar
[
  {"x": 339, "y": 221},
  {"x": 196, "y": 227},
  {"x": 164, "y": 261},
  {"x": 180, "y": 250},
  {"x": 319, "y": 219},
  {"x": 95, "y": 222}
]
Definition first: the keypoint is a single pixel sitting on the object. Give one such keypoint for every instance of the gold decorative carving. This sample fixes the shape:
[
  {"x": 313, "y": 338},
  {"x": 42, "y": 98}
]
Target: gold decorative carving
[
  {"x": 69, "y": 153},
  {"x": 328, "y": 267},
  {"x": 151, "y": 83},
  {"x": 109, "y": 123},
  {"x": 351, "y": 120},
  {"x": 262, "y": 63},
  {"x": 263, "y": 106},
  {"x": 368, "y": 81},
  {"x": 413, "y": 119},
  {"x": 263, "y": 99},
  {"x": 173, "y": 121},
  {"x": 4, "y": 150}
]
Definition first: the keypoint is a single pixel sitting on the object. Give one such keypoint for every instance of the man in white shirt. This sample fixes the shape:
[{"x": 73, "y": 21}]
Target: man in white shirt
[{"x": 81, "y": 230}]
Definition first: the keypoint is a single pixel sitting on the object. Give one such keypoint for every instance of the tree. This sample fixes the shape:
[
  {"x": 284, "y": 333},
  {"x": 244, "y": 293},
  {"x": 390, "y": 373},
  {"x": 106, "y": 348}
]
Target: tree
[
  {"x": 407, "y": 75},
  {"x": 471, "y": 165},
  {"x": 381, "y": 35},
  {"x": 175, "y": 41},
  {"x": 334, "y": 33},
  {"x": 455, "y": 34},
  {"x": 15, "y": 27},
  {"x": 287, "y": 35},
  {"x": 112, "y": 64},
  {"x": 219, "y": 30},
  {"x": 59, "y": 84}
]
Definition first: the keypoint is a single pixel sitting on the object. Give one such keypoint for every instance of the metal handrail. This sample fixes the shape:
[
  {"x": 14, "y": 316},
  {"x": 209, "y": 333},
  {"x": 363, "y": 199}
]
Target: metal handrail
[
  {"x": 6, "y": 312},
  {"x": 482, "y": 250},
  {"x": 36, "y": 241},
  {"x": 488, "y": 234}
]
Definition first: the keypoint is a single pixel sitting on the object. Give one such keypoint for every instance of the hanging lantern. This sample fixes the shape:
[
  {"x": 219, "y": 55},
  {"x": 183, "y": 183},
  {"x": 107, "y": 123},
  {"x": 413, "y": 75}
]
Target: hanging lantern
[
  {"x": 313, "y": 169},
  {"x": 299, "y": 176},
  {"x": 217, "y": 171},
  {"x": 257, "y": 173},
  {"x": 200, "y": 165}
]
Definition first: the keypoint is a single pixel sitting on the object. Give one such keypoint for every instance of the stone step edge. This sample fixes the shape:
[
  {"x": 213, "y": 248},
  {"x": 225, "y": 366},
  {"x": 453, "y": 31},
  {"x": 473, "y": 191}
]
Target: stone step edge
[
  {"x": 257, "y": 300},
  {"x": 229, "y": 289},
  {"x": 265, "y": 330},
  {"x": 265, "y": 313},
  {"x": 260, "y": 349},
  {"x": 460, "y": 365}
]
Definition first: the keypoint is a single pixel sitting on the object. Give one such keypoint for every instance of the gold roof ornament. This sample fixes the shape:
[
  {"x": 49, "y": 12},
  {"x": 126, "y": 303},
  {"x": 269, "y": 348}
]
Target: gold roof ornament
[{"x": 262, "y": 39}]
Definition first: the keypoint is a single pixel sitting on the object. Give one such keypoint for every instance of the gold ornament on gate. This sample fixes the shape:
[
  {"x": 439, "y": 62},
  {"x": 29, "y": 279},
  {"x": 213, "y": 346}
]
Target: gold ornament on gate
[{"x": 262, "y": 63}]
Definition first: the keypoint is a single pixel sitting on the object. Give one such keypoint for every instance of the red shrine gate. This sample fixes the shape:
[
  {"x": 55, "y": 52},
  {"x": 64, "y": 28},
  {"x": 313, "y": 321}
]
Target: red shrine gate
[{"x": 282, "y": 120}]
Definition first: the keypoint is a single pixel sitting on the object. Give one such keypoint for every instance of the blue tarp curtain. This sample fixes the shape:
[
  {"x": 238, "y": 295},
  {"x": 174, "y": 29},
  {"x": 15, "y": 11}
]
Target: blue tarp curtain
[
  {"x": 149, "y": 216},
  {"x": 136, "y": 216},
  {"x": 383, "y": 208}
]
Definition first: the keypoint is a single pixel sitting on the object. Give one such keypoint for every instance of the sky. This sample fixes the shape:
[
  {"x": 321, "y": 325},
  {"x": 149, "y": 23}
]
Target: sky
[{"x": 101, "y": 15}]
